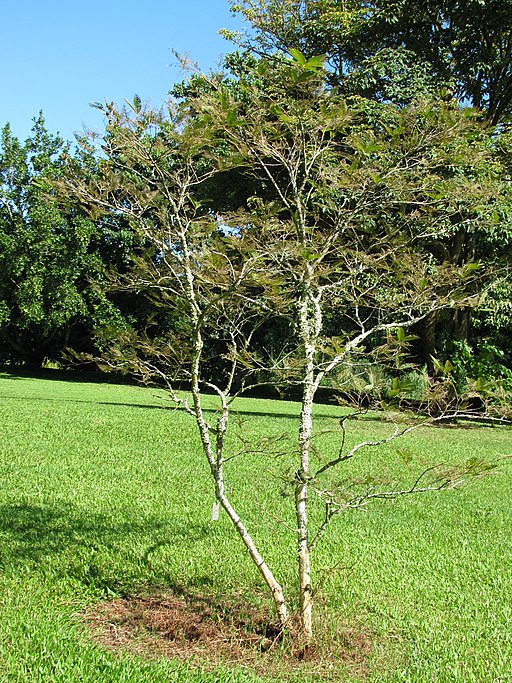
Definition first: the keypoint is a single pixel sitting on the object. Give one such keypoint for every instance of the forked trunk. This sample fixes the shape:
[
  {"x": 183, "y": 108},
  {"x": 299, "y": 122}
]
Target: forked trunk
[{"x": 216, "y": 468}]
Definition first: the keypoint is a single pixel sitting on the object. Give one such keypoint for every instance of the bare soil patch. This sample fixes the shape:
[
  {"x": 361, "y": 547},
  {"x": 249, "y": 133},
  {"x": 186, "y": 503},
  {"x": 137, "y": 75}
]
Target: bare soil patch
[{"x": 197, "y": 629}]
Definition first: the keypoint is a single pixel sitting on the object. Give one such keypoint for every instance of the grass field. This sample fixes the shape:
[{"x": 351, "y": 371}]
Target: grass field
[{"x": 104, "y": 493}]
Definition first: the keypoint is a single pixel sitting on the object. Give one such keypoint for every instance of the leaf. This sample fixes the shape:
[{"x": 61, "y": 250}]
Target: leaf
[
  {"x": 298, "y": 57},
  {"x": 437, "y": 364},
  {"x": 398, "y": 387},
  {"x": 315, "y": 63},
  {"x": 303, "y": 77},
  {"x": 232, "y": 119},
  {"x": 308, "y": 255},
  {"x": 471, "y": 267},
  {"x": 448, "y": 367}
]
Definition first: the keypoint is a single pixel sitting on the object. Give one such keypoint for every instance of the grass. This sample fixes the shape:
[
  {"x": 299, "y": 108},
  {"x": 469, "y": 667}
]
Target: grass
[{"x": 103, "y": 493}]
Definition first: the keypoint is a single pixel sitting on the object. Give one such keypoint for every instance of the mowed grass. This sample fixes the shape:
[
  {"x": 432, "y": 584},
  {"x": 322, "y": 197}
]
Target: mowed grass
[{"x": 104, "y": 492}]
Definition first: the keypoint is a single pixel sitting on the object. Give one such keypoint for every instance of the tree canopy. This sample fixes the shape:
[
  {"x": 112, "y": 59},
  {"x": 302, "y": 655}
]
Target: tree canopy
[
  {"x": 332, "y": 230},
  {"x": 395, "y": 48}
]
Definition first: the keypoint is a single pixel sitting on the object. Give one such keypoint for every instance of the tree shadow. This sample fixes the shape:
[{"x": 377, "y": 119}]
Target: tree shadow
[
  {"x": 324, "y": 398},
  {"x": 71, "y": 375},
  {"x": 46, "y": 399},
  {"x": 290, "y": 414},
  {"x": 30, "y": 533}
]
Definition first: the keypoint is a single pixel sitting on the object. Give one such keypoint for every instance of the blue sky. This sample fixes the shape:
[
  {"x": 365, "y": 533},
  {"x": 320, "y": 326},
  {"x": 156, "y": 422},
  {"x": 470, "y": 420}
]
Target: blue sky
[{"x": 59, "y": 56}]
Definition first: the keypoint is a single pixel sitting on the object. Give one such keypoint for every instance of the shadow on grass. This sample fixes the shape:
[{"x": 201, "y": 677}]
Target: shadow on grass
[
  {"x": 72, "y": 375},
  {"x": 33, "y": 533},
  {"x": 46, "y": 399},
  {"x": 324, "y": 397},
  {"x": 241, "y": 412}
]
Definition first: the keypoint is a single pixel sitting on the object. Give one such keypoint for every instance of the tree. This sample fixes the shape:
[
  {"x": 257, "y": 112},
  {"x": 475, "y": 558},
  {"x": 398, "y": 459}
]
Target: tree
[
  {"x": 392, "y": 48},
  {"x": 399, "y": 51},
  {"x": 344, "y": 219},
  {"x": 48, "y": 255}
]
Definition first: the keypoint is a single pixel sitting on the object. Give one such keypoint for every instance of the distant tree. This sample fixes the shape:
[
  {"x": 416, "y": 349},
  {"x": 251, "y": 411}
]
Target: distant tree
[
  {"x": 345, "y": 216},
  {"x": 396, "y": 48},
  {"x": 398, "y": 51},
  {"x": 48, "y": 255}
]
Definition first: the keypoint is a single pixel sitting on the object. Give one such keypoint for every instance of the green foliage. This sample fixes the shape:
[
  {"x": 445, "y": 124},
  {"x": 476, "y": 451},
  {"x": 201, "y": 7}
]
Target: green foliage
[
  {"x": 390, "y": 200},
  {"x": 48, "y": 255},
  {"x": 396, "y": 49},
  {"x": 481, "y": 370},
  {"x": 401, "y": 51}
]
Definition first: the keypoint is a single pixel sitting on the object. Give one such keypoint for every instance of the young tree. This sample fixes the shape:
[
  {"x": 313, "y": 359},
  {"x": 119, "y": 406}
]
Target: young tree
[{"x": 342, "y": 220}]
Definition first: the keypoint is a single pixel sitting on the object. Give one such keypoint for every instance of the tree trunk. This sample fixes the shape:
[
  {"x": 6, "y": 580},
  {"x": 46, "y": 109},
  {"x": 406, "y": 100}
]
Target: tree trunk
[
  {"x": 216, "y": 467},
  {"x": 308, "y": 331},
  {"x": 215, "y": 457},
  {"x": 305, "y": 591},
  {"x": 275, "y": 587},
  {"x": 428, "y": 333},
  {"x": 461, "y": 324}
]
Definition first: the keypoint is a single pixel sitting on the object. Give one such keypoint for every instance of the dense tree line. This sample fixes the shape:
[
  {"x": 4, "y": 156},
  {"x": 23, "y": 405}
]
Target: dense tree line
[
  {"x": 392, "y": 63},
  {"x": 53, "y": 258}
]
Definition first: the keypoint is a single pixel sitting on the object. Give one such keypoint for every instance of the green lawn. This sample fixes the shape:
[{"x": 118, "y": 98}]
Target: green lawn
[{"x": 104, "y": 493}]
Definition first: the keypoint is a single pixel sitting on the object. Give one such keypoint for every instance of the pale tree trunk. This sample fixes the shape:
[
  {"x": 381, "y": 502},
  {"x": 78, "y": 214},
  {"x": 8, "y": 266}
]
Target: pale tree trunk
[
  {"x": 301, "y": 500},
  {"x": 308, "y": 328},
  {"x": 215, "y": 460},
  {"x": 268, "y": 577},
  {"x": 215, "y": 456}
]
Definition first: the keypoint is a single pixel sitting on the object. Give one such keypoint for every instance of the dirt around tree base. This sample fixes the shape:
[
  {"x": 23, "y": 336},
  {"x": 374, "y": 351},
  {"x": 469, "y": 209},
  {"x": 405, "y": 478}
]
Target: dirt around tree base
[{"x": 199, "y": 630}]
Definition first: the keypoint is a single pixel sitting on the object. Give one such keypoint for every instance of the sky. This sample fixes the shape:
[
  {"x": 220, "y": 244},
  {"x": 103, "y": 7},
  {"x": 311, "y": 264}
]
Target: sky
[{"x": 58, "y": 56}]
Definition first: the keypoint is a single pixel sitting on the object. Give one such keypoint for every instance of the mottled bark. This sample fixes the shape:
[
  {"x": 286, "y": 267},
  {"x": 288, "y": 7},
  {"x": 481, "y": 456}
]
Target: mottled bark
[{"x": 309, "y": 328}]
